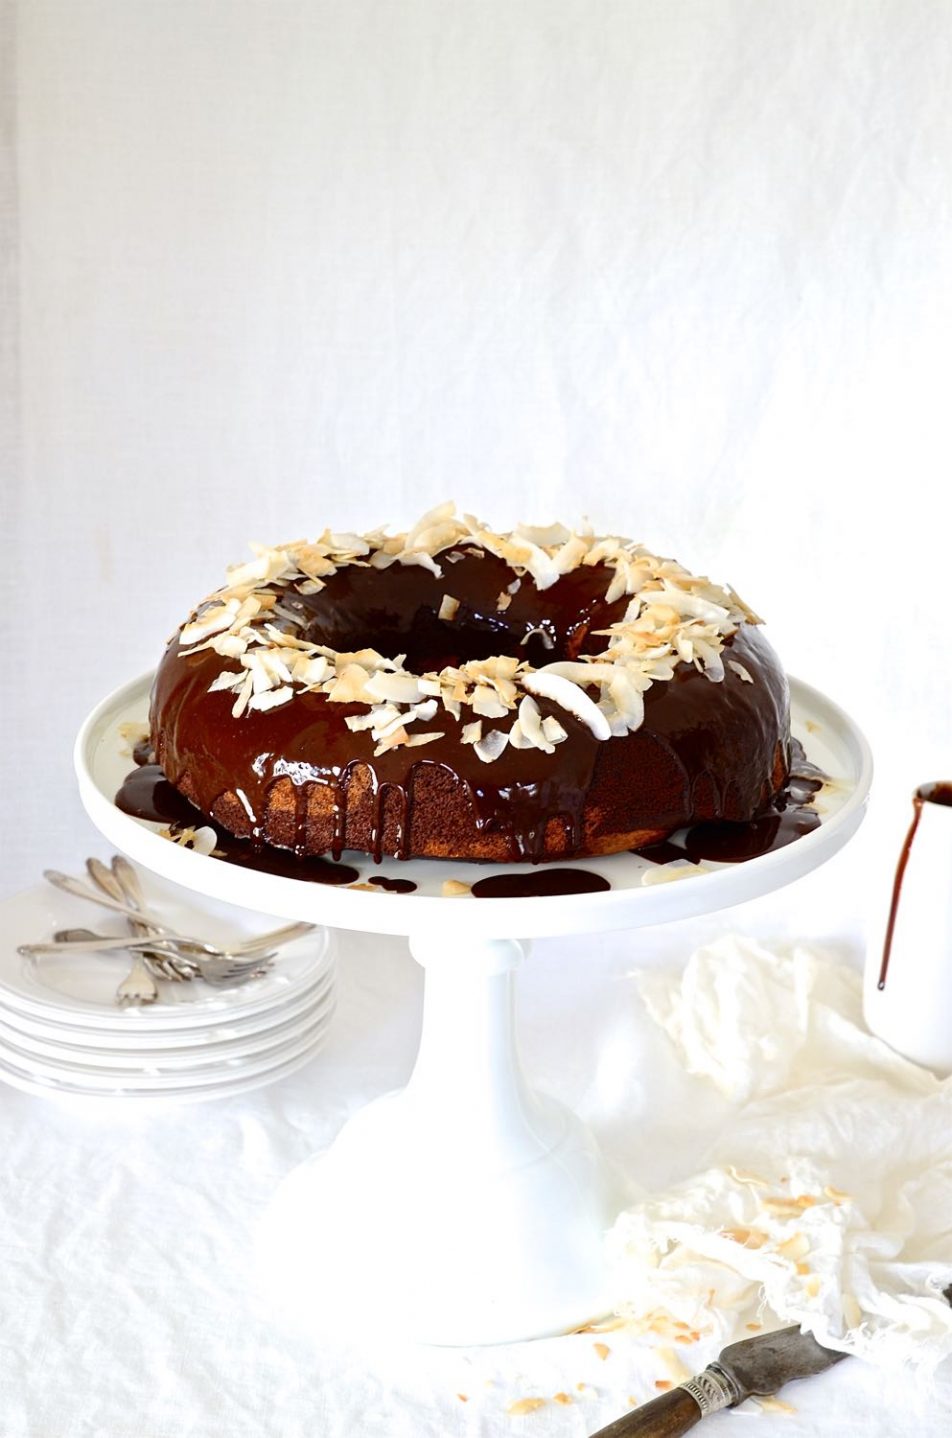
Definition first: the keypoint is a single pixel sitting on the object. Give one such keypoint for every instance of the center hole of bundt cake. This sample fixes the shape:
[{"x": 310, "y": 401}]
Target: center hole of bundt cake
[{"x": 475, "y": 609}]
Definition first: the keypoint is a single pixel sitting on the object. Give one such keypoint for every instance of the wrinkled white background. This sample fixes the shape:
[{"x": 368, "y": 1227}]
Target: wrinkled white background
[{"x": 684, "y": 266}]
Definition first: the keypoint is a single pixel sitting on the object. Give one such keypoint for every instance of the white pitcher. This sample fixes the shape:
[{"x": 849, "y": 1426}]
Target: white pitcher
[{"x": 908, "y": 986}]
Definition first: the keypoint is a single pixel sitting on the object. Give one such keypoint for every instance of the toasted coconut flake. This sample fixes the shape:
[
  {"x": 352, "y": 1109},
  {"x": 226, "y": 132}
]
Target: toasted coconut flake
[
  {"x": 415, "y": 740},
  {"x": 525, "y": 1405},
  {"x": 391, "y": 740},
  {"x": 244, "y": 694},
  {"x": 602, "y": 1350},
  {"x": 518, "y": 738},
  {"x": 672, "y": 617},
  {"x": 131, "y": 732},
  {"x": 455, "y": 889},
  {"x": 271, "y": 698},
  {"x": 472, "y": 733},
  {"x": 394, "y": 688},
  {"x": 743, "y": 1175},
  {"x": 676, "y": 1369},
  {"x": 746, "y": 1237},
  {"x": 200, "y": 841},
  {"x": 491, "y": 745},
  {"x": 670, "y": 874},
  {"x": 547, "y": 641},
  {"x": 795, "y": 1247},
  {"x": 570, "y": 697},
  {"x": 738, "y": 668},
  {"x": 212, "y": 621},
  {"x": 350, "y": 686},
  {"x": 530, "y": 725},
  {"x": 771, "y": 1404},
  {"x": 486, "y": 701}
]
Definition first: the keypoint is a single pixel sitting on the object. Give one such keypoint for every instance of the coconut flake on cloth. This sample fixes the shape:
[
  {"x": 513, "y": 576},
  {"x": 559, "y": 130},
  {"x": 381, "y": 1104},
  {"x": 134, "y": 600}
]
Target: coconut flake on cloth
[{"x": 826, "y": 1199}]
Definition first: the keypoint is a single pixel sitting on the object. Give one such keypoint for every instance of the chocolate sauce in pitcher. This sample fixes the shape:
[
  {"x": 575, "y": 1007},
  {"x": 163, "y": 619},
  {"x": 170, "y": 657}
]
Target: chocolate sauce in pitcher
[{"x": 939, "y": 792}]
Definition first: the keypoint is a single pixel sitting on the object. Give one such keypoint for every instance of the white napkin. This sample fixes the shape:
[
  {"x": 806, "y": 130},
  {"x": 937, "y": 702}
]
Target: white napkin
[{"x": 827, "y": 1198}]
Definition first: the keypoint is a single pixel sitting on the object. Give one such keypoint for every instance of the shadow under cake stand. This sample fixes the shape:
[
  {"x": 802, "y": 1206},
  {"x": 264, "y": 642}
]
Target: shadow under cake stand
[{"x": 468, "y": 1207}]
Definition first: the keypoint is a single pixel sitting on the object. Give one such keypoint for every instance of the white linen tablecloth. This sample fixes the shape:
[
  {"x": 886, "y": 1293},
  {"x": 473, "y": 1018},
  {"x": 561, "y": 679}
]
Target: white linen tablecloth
[{"x": 127, "y": 1304}]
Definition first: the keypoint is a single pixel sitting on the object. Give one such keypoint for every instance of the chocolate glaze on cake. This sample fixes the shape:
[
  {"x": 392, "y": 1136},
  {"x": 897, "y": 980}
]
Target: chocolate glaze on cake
[{"x": 297, "y": 777}]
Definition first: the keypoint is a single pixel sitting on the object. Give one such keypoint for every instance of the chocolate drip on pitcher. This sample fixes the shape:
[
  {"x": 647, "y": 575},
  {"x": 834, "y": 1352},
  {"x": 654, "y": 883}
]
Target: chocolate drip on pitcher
[{"x": 939, "y": 792}]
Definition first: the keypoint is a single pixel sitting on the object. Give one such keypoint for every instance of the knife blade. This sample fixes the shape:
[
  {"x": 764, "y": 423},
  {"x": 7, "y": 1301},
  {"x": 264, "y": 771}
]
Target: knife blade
[{"x": 755, "y": 1366}]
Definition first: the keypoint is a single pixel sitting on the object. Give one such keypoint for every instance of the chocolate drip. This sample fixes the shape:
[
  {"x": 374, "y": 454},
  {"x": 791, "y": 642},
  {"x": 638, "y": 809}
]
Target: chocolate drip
[
  {"x": 393, "y": 886},
  {"x": 789, "y": 818},
  {"x": 143, "y": 753},
  {"x": 145, "y": 793},
  {"x": 283, "y": 862},
  {"x": 735, "y": 843},
  {"x": 939, "y": 792},
  {"x": 539, "y": 884}
]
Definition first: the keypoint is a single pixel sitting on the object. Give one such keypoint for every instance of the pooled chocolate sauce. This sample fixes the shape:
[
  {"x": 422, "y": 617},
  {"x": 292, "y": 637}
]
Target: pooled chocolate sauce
[
  {"x": 283, "y": 862},
  {"x": 539, "y": 884},
  {"x": 145, "y": 793},
  {"x": 735, "y": 843},
  {"x": 789, "y": 817},
  {"x": 939, "y": 792},
  {"x": 393, "y": 886}
]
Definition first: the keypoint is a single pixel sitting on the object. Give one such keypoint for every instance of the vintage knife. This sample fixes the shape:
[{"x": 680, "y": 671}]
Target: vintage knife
[{"x": 755, "y": 1366}]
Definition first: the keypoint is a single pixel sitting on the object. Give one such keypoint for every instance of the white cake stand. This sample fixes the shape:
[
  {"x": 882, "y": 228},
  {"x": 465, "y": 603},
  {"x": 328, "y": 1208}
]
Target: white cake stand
[{"x": 467, "y": 1208}]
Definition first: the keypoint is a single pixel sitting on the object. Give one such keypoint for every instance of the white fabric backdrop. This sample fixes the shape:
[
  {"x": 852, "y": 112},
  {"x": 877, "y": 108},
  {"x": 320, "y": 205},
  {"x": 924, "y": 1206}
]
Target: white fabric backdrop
[{"x": 683, "y": 266}]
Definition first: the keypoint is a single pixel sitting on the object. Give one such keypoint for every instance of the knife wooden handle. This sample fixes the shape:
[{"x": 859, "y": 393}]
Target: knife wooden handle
[{"x": 669, "y": 1416}]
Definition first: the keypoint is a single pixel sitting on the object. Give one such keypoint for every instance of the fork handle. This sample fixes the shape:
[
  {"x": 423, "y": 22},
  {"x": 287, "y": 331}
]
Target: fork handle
[
  {"x": 88, "y": 946},
  {"x": 80, "y": 891}
]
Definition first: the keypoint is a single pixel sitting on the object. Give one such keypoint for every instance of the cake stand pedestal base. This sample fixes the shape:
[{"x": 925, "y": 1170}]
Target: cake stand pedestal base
[{"x": 465, "y": 1209}]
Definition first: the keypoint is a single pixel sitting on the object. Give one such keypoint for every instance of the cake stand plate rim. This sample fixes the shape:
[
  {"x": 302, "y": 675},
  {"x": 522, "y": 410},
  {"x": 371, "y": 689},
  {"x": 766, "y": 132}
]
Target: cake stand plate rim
[{"x": 628, "y": 907}]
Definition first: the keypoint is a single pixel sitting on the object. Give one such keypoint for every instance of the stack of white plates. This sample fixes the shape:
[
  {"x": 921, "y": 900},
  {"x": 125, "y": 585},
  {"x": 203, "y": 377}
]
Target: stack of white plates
[{"x": 62, "y": 1034}]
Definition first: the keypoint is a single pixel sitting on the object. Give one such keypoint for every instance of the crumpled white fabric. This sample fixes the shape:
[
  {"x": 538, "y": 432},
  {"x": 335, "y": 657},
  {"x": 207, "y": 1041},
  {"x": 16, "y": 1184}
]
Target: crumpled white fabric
[{"x": 827, "y": 1199}]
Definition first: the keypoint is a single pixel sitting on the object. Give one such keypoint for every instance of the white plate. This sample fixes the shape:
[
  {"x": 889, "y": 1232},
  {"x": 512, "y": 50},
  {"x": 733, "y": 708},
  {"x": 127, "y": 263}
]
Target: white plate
[
  {"x": 121, "y": 1041},
  {"x": 168, "y": 1060},
  {"x": 80, "y": 988},
  {"x": 87, "y": 1079},
  {"x": 74, "y": 1095},
  {"x": 830, "y": 738}
]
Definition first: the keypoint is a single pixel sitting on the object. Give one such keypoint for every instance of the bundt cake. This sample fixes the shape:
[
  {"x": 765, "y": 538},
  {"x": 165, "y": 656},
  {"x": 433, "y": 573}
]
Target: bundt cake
[{"x": 457, "y": 693}]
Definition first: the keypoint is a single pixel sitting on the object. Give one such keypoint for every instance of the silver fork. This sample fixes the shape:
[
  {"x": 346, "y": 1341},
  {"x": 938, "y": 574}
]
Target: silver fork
[
  {"x": 138, "y": 987},
  {"x": 247, "y": 948},
  {"x": 217, "y": 972}
]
